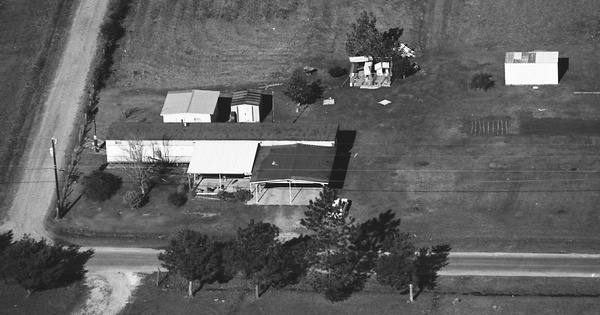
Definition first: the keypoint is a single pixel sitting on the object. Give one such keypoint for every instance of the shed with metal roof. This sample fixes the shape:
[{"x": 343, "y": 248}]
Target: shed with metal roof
[
  {"x": 246, "y": 105},
  {"x": 531, "y": 68},
  {"x": 194, "y": 106}
]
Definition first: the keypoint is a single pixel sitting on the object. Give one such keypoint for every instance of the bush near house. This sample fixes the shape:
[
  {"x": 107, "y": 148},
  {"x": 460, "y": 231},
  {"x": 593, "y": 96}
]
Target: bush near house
[
  {"x": 177, "y": 199},
  {"x": 133, "y": 199},
  {"x": 100, "y": 186}
]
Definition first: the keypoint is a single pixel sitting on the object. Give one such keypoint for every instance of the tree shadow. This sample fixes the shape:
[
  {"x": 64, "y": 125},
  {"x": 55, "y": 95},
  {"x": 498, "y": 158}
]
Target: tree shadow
[
  {"x": 563, "y": 66},
  {"x": 345, "y": 142}
]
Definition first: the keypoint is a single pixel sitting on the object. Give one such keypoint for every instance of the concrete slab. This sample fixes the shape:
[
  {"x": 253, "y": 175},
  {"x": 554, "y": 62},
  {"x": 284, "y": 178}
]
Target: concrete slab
[{"x": 299, "y": 196}]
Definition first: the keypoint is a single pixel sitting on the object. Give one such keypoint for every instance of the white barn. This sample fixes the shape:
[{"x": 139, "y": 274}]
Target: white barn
[
  {"x": 195, "y": 106},
  {"x": 531, "y": 68},
  {"x": 246, "y": 105}
]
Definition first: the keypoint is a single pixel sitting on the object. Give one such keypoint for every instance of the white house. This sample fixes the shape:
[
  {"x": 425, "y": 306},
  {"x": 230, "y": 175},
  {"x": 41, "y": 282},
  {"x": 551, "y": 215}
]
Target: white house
[
  {"x": 195, "y": 106},
  {"x": 176, "y": 142},
  {"x": 246, "y": 105},
  {"x": 531, "y": 68}
]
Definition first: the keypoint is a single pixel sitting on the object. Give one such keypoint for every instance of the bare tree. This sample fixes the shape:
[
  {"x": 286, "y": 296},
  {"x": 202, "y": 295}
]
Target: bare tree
[{"x": 141, "y": 167}]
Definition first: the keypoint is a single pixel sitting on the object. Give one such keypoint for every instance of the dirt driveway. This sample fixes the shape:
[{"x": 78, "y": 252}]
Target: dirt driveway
[{"x": 34, "y": 196}]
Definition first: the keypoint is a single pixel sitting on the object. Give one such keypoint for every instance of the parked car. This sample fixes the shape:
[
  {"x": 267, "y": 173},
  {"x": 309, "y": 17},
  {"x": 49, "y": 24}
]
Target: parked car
[{"x": 341, "y": 207}]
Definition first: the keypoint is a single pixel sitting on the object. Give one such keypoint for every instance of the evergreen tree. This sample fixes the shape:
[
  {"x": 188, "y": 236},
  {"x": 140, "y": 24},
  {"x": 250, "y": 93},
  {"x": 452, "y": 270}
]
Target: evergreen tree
[
  {"x": 37, "y": 265},
  {"x": 396, "y": 266},
  {"x": 196, "y": 257},
  {"x": 258, "y": 255},
  {"x": 364, "y": 38}
]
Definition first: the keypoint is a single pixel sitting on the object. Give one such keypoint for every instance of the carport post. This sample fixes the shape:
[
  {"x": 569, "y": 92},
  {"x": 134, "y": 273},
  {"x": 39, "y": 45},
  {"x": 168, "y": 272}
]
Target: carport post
[{"x": 290, "y": 182}]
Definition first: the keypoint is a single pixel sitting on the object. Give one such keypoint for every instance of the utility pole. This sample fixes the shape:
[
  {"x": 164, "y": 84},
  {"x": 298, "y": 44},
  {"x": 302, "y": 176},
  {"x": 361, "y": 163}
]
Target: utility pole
[
  {"x": 96, "y": 148},
  {"x": 272, "y": 106},
  {"x": 53, "y": 153}
]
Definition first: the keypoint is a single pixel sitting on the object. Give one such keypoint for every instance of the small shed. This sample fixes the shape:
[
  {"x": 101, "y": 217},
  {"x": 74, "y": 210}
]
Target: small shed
[
  {"x": 246, "y": 105},
  {"x": 531, "y": 68},
  {"x": 195, "y": 106},
  {"x": 367, "y": 72}
]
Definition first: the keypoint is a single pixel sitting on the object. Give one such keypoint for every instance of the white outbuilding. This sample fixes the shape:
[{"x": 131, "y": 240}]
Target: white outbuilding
[
  {"x": 194, "y": 106},
  {"x": 246, "y": 105},
  {"x": 531, "y": 68}
]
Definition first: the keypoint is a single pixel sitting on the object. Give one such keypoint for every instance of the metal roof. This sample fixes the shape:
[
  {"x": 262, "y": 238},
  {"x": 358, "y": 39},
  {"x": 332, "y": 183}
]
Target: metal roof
[
  {"x": 193, "y": 102},
  {"x": 246, "y": 97},
  {"x": 532, "y": 57},
  {"x": 223, "y": 157},
  {"x": 302, "y": 163},
  {"x": 222, "y": 131}
]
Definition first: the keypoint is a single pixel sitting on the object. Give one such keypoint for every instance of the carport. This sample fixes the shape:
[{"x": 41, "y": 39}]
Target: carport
[
  {"x": 291, "y": 166},
  {"x": 219, "y": 158}
]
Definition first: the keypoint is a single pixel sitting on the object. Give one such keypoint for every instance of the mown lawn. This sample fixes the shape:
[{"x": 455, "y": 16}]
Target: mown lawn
[
  {"x": 14, "y": 300},
  {"x": 453, "y": 295},
  {"x": 415, "y": 156}
]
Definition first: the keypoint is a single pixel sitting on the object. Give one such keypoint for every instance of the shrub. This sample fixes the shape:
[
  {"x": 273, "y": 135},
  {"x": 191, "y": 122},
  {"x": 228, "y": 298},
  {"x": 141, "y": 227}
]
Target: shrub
[
  {"x": 100, "y": 186},
  {"x": 337, "y": 71},
  {"x": 177, "y": 199},
  {"x": 482, "y": 81},
  {"x": 133, "y": 199},
  {"x": 182, "y": 189},
  {"x": 241, "y": 195}
]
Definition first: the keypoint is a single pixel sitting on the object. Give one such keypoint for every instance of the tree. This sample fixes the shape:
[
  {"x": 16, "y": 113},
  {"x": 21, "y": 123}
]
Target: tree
[
  {"x": 141, "y": 168},
  {"x": 196, "y": 257},
  {"x": 100, "y": 186},
  {"x": 37, "y": 265},
  {"x": 338, "y": 269},
  {"x": 258, "y": 255},
  {"x": 5, "y": 240},
  {"x": 428, "y": 263},
  {"x": 301, "y": 91},
  {"x": 345, "y": 274},
  {"x": 364, "y": 38},
  {"x": 396, "y": 266}
]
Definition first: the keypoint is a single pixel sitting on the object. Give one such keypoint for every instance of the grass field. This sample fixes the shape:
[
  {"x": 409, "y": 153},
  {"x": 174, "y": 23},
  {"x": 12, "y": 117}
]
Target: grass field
[
  {"x": 415, "y": 156},
  {"x": 454, "y": 295},
  {"x": 14, "y": 300},
  {"x": 32, "y": 36}
]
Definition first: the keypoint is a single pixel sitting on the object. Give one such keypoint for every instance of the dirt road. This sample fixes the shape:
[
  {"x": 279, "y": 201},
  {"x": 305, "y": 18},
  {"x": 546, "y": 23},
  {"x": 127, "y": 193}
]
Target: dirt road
[{"x": 35, "y": 194}]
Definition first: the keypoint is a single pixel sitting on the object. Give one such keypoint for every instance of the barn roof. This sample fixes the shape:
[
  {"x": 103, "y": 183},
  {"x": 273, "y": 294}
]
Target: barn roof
[
  {"x": 223, "y": 157},
  {"x": 532, "y": 57},
  {"x": 246, "y": 97},
  {"x": 301, "y": 163},
  {"x": 222, "y": 131},
  {"x": 192, "y": 102}
]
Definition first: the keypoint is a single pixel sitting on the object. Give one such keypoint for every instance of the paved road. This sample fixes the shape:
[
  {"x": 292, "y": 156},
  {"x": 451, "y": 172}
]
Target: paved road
[
  {"x": 461, "y": 264},
  {"x": 524, "y": 265},
  {"x": 130, "y": 259}
]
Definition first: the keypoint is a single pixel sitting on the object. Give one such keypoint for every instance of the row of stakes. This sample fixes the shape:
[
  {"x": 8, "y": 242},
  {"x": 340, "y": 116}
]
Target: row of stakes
[{"x": 489, "y": 127}]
